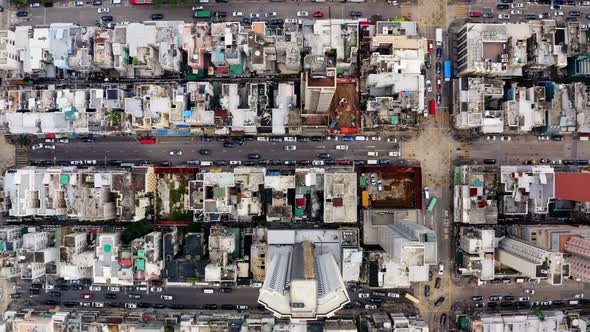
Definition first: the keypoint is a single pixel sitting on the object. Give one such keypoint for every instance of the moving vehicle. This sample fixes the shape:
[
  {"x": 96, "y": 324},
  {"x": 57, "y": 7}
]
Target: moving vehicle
[
  {"x": 157, "y": 17},
  {"x": 206, "y": 14},
  {"x": 447, "y": 70},
  {"x": 302, "y": 14},
  {"x": 439, "y": 37}
]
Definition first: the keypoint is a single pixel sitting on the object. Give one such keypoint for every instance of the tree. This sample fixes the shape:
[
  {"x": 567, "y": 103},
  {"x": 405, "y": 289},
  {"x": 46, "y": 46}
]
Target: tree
[{"x": 136, "y": 230}]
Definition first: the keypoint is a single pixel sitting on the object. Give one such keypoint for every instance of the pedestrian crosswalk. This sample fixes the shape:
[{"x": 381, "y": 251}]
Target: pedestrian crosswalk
[
  {"x": 22, "y": 156},
  {"x": 409, "y": 150},
  {"x": 460, "y": 11},
  {"x": 406, "y": 11}
]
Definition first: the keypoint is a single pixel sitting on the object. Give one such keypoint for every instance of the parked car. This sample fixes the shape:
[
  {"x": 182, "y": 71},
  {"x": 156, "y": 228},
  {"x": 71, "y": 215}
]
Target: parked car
[
  {"x": 155, "y": 17},
  {"x": 317, "y": 14}
]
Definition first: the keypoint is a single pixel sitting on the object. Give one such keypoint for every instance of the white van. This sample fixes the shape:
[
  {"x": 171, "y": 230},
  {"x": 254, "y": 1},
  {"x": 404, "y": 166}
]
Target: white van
[
  {"x": 206, "y": 163},
  {"x": 208, "y": 291}
]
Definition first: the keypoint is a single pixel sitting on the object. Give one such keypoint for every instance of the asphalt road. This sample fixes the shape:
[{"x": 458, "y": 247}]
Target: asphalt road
[
  {"x": 129, "y": 150},
  {"x": 87, "y": 15}
]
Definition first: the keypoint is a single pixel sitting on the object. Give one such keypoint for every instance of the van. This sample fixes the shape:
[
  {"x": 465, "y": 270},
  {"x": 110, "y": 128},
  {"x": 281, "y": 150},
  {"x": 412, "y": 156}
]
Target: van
[
  {"x": 208, "y": 291},
  {"x": 372, "y": 162},
  {"x": 573, "y": 302},
  {"x": 519, "y": 280},
  {"x": 206, "y": 163},
  {"x": 373, "y": 153}
]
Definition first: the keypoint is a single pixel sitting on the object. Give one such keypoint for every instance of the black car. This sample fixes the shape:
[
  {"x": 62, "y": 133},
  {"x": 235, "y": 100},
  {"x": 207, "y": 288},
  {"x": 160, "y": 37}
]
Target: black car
[
  {"x": 246, "y": 21},
  {"x": 1, "y": 9},
  {"x": 438, "y": 52},
  {"x": 262, "y": 162},
  {"x": 221, "y": 14},
  {"x": 221, "y": 162},
  {"x": 355, "y": 13},
  {"x": 253, "y": 156},
  {"x": 438, "y": 67},
  {"x": 55, "y": 294},
  {"x": 384, "y": 162},
  {"x": 250, "y": 163},
  {"x": 221, "y": 1},
  {"x": 164, "y": 163},
  {"x": 574, "y": 13},
  {"x": 531, "y": 17},
  {"x": 324, "y": 155},
  {"x": 303, "y": 162},
  {"x": 427, "y": 63},
  {"x": 569, "y": 162},
  {"x": 36, "y": 286},
  {"x": 360, "y": 162},
  {"x": 376, "y": 300},
  {"x": 276, "y": 162},
  {"x": 557, "y": 138},
  {"x": 329, "y": 162},
  {"x": 317, "y": 138},
  {"x": 106, "y": 18},
  {"x": 489, "y": 161},
  {"x": 506, "y": 1},
  {"x": 70, "y": 304},
  {"x": 177, "y": 306},
  {"x": 88, "y": 140},
  {"x": 157, "y": 16},
  {"x": 572, "y": 19},
  {"x": 96, "y": 2},
  {"x": 63, "y": 287},
  {"x": 225, "y": 290},
  {"x": 48, "y": 4},
  {"x": 508, "y": 297},
  {"x": 204, "y": 152},
  {"x": 111, "y": 296},
  {"x": 492, "y": 304},
  {"x": 277, "y": 21},
  {"x": 487, "y": 15},
  {"x": 207, "y": 139},
  {"x": 22, "y": 14},
  {"x": 439, "y": 302},
  {"x": 228, "y": 145},
  {"x": 426, "y": 290},
  {"x": 144, "y": 305},
  {"x": 50, "y": 302},
  {"x": 506, "y": 304},
  {"x": 502, "y": 7},
  {"x": 378, "y": 293},
  {"x": 443, "y": 319},
  {"x": 558, "y": 302},
  {"x": 159, "y": 306},
  {"x": 437, "y": 283},
  {"x": 115, "y": 304},
  {"x": 214, "y": 306},
  {"x": 77, "y": 287}
]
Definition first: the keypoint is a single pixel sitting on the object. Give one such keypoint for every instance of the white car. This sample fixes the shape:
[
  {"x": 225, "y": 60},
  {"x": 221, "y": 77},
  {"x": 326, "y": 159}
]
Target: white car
[
  {"x": 426, "y": 192},
  {"x": 392, "y": 139},
  {"x": 558, "y": 14},
  {"x": 37, "y": 146},
  {"x": 302, "y": 14},
  {"x": 529, "y": 291},
  {"x": 490, "y": 138},
  {"x": 167, "y": 297},
  {"x": 98, "y": 304},
  {"x": 542, "y": 138},
  {"x": 156, "y": 289},
  {"x": 290, "y": 148},
  {"x": 364, "y": 295},
  {"x": 516, "y": 12},
  {"x": 546, "y": 302},
  {"x": 579, "y": 296},
  {"x": 373, "y": 153},
  {"x": 254, "y": 15},
  {"x": 235, "y": 162},
  {"x": 176, "y": 153},
  {"x": 341, "y": 147},
  {"x": 270, "y": 14},
  {"x": 90, "y": 162},
  {"x": 197, "y": 8},
  {"x": 290, "y": 139},
  {"x": 95, "y": 288},
  {"x": 503, "y": 16},
  {"x": 262, "y": 139},
  {"x": 429, "y": 85},
  {"x": 556, "y": 162},
  {"x": 35, "y": 4},
  {"x": 114, "y": 289},
  {"x": 103, "y": 10},
  {"x": 441, "y": 269},
  {"x": 584, "y": 3},
  {"x": 370, "y": 306},
  {"x": 376, "y": 138},
  {"x": 524, "y": 298},
  {"x": 394, "y": 295},
  {"x": 237, "y": 14},
  {"x": 79, "y": 3},
  {"x": 63, "y": 140},
  {"x": 393, "y": 153},
  {"x": 517, "y": 5},
  {"x": 505, "y": 138},
  {"x": 76, "y": 162},
  {"x": 317, "y": 162}
]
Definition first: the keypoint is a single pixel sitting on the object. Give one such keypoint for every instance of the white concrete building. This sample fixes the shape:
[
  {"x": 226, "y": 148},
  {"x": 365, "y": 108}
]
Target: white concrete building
[{"x": 302, "y": 283}]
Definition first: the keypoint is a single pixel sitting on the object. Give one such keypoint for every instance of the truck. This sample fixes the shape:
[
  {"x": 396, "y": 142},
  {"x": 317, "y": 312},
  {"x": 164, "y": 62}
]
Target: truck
[
  {"x": 202, "y": 14},
  {"x": 447, "y": 70},
  {"x": 438, "y": 37}
]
